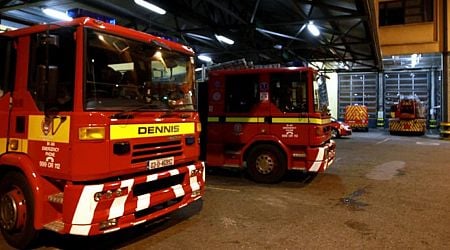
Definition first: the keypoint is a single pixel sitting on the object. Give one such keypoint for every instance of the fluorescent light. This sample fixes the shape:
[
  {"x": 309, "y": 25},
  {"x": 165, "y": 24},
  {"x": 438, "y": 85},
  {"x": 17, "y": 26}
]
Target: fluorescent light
[
  {"x": 205, "y": 58},
  {"x": 56, "y": 14},
  {"x": 224, "y": 39},
  {"x": 313, "y": 29},
  {"x": 199, "y": 36},
  {"x": 278, "y": 46},
  {"x": 150, "y": 6},
  {"x": 6, "y": 28}
]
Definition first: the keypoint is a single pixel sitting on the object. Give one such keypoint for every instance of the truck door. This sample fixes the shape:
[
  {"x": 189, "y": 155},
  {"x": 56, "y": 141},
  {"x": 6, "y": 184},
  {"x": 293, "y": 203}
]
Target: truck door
[
  {"x": 38, "y": 122},
  {"x": 7, "y": 72},
  {"x": 289, "y": 109},
  {"x": 242, "y": 113}
]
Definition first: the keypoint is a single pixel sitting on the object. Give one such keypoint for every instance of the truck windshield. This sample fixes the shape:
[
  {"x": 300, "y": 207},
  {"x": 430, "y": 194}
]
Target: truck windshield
[{"x": 122, "y": 74}]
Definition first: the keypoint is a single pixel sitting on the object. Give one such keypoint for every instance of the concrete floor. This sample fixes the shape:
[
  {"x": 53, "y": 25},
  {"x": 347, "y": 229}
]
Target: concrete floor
[{"x": 383, "y": 192}]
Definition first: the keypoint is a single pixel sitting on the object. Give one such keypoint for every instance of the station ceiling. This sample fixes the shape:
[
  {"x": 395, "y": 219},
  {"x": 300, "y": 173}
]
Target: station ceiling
[{"x": 263, "y": 31}]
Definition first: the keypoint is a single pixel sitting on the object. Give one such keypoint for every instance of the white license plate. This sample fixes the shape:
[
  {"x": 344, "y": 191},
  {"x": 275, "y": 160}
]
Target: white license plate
[{"x": 159, "y": 163}]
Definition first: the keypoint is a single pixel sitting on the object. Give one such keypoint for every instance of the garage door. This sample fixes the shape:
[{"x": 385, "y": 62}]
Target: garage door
[
  {"x": 406, "y": 83},
  {"x": 358, "y": 89}
]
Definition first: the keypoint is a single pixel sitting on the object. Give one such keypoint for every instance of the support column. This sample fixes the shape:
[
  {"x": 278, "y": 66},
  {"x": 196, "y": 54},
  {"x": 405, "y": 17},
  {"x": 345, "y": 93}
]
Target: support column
[
  {"x": 445, "y": 82},
  {"x": 445, "y": 123}
]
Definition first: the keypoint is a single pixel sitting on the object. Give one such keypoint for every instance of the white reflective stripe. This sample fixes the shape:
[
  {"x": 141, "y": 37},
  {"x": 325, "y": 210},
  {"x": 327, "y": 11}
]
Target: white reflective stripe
[
  {"x": 194, "y": 183},
  {"x": 204, "y": 171},
  {"x": 143, "y": 202},
  {"x": 86, "y": 205},
  {"x": 330, "y": 162},
  {"x": 191, "y": 168},
  {"x": 174, "y": 172},
  {"x": 118, "y": 206},
  {"x": 138, "y": 222},
  {"x": 193, "y": 179},
  {"x": 178, "y": 190},
  {"x": 319, "y": 158},
  {"x": 80, "y": 229},
  {"x": 111, "y": 230},
  {"x": 152, "y": 177}
]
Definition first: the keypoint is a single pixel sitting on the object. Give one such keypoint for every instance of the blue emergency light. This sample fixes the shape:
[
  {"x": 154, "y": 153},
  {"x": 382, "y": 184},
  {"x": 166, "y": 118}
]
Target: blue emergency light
[{"x": 77, "y": 12}]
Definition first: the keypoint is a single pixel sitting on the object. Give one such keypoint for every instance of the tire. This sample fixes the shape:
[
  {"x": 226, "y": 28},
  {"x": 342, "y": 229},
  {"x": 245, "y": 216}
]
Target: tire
[
  {"x": 17, "y": 211},
  {"x": 266, "y": 164}
]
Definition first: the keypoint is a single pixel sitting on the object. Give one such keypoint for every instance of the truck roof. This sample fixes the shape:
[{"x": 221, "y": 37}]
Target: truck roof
[
  {"x": 259, "y": 70},
  {"x": 100, "y": 25}
]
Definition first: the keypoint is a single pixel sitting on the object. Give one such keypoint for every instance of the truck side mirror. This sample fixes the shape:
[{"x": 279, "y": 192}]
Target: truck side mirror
[
  {"x": 47, "y": 39},
  {"x": 47, "y": 79}
]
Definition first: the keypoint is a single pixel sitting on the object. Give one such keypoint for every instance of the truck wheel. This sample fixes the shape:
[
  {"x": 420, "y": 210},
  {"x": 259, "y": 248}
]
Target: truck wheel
[
  {"x": 16, "y": 211},
  {"x": 266, "y": 164}
]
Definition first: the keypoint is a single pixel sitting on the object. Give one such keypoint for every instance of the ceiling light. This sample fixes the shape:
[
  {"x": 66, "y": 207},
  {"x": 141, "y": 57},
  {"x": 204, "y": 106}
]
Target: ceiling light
[
  {"x": 313, "y": 29},
  {"x": 278, "y": 46},
  {"x": 150, "y": 6},
  {"x": 56, "y": 14},
  {"x": 224, "y": 39},
  {"x": 199, "y": 36},
  {"x": 205, "y": 58}
]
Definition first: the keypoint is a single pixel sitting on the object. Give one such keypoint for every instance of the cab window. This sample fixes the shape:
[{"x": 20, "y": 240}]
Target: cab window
[
  {"x": 7, "y": 65},
  {"x": 289, "y": 91},
  {"x": 53, "y": 60},
  {"x": 242, "y": 92}
]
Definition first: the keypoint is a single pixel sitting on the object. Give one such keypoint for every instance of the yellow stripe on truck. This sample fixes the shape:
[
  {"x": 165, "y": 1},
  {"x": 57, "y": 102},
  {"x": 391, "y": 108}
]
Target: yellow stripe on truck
[
  {"x": 301, "y": 120},
  {"x": 2, "y": 145},
  {"x": 128, "y": 131},
  {"x": 213, "y": 119},
  {"x": 15, "y": 145},
  {"x": 244, "y": 119}
]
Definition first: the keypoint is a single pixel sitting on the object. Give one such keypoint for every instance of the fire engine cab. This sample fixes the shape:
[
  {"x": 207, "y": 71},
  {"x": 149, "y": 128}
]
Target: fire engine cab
[
  {"x": 98, "y": 129},
  {"x": 268, "y": 120}
]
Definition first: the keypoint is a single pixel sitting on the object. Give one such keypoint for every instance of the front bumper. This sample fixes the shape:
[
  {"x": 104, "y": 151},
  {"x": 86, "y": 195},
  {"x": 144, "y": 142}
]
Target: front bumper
[
  {"x": 320, "y": 158},
  {"x": 93, "y": 209}
]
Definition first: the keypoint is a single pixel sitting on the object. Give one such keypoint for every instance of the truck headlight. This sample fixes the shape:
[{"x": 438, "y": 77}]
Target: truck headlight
[{"x": 91, "y": 133}]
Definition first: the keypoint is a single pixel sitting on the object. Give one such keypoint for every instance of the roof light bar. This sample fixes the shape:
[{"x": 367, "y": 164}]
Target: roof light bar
[
  {"x": 224, "y": 39},
  {"x": 150, "y": 6},
  {"x": 56, "y": 14}
]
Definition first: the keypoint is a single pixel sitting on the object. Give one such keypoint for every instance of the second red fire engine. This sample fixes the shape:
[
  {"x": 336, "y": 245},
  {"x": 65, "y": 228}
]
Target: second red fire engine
[{"x": 268, "y": 120}]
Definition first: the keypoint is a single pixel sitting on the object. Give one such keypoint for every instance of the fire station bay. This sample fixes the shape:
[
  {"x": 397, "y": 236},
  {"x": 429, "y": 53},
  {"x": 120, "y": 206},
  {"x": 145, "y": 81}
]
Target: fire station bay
[{"x": 258, "y": 124}]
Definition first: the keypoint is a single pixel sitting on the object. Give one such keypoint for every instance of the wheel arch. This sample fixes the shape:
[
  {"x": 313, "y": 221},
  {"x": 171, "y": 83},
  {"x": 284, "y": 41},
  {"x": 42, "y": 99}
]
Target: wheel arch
[
  {"x": 14, "y": 162},
  {"x": 266, "y": 140}
]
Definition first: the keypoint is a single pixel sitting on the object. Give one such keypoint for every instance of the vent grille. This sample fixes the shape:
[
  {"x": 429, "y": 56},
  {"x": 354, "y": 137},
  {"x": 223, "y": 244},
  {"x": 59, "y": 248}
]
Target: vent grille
[{"x": 150, "y": 151}]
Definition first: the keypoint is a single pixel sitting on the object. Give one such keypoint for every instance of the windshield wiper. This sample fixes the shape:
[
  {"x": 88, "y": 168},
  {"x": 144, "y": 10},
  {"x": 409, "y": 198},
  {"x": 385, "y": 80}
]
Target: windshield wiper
[
  {"x": 127, "y": 114},
  {"x": 175, "y": 106}
]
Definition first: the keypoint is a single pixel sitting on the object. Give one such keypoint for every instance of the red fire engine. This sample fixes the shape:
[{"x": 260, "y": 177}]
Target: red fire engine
[
  {"x": 98, "y": 130},
  {"x": 268, "y": 120},
  {"x": 408, "y": 117}
]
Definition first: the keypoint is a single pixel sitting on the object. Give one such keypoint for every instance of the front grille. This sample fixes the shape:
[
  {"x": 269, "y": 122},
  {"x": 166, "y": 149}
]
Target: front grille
[{"x": 150, "y": 151}]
